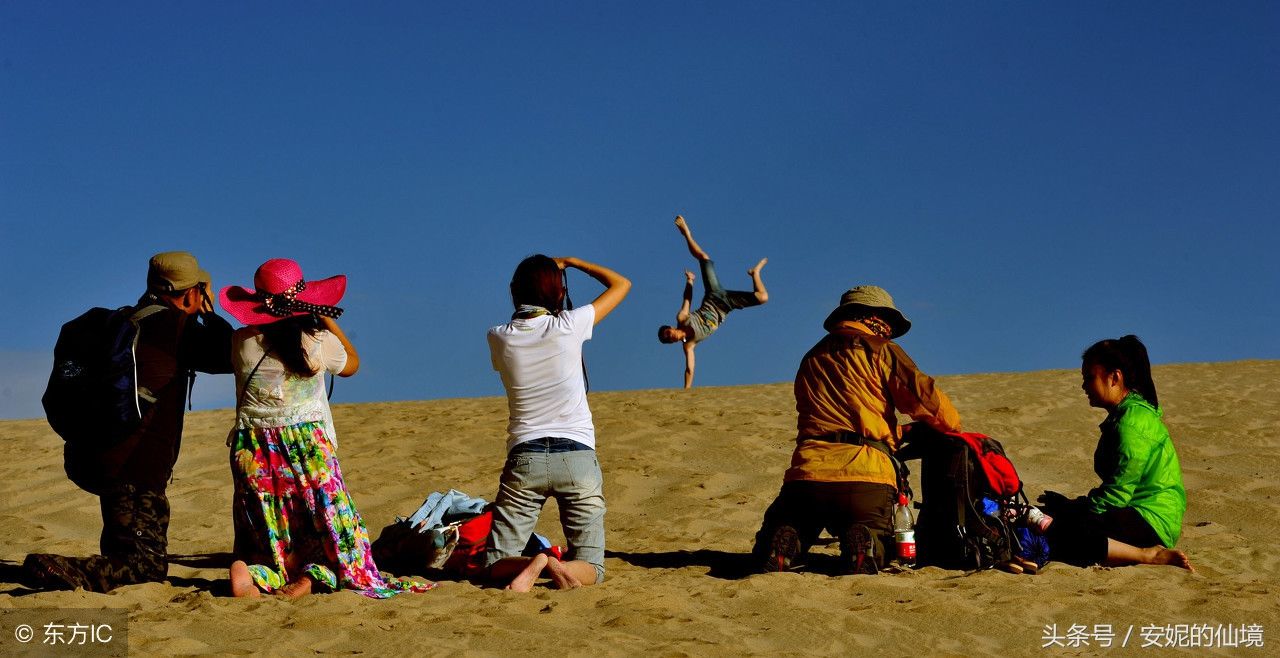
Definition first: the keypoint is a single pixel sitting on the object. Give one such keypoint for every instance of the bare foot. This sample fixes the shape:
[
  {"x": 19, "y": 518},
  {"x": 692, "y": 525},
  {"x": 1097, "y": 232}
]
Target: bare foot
[
  {"x": 757, "y": 284},
  {"x": 681, "y": 225},
  {"x": 297, "y": 589},
  {"x": 242, "y": 582},
  {"x": 524, "y": 582},
  {"x": 1171, "y": 557},
  {"x": 560, "y": 576}
]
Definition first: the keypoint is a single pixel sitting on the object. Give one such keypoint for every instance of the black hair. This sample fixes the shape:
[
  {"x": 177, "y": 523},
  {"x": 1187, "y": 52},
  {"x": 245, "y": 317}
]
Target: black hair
[
  {"x": 283, "y": 338},
  {"x": 1128, "y": 355},
  {"x": 538, "y": 281}
]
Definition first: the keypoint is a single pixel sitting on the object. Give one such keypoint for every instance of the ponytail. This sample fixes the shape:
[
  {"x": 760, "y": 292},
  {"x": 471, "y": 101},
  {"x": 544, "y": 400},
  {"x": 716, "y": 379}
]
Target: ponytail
[{"x": 1128, "y": 355}]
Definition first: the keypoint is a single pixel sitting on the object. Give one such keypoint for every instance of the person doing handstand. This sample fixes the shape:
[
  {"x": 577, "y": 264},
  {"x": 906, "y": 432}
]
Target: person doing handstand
[{"x": 694, "y": 327}]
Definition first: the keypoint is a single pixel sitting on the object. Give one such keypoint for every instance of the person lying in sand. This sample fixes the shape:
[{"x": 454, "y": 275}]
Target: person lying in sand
[
  {"x": 694, "y": 327},
  {"x": 1135, "y": 515}
]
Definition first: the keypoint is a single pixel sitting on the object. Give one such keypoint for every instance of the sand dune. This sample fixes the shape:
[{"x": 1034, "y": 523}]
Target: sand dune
[{"x": 688, "y": 475}]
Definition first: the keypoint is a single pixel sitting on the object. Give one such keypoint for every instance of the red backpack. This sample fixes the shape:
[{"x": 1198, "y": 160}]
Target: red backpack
[{"x": 467, "y": 559}]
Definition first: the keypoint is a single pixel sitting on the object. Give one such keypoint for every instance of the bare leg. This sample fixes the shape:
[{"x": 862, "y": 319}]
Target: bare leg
[
  {"x": 694, "y": 249},
  {"x": 242, "y": 582},
  {"x": 297, "y": 589},
  {"x": 1120, "y": 554},
  {"x": 524, "y": 581},
  {"x": 757, "y": 283}
]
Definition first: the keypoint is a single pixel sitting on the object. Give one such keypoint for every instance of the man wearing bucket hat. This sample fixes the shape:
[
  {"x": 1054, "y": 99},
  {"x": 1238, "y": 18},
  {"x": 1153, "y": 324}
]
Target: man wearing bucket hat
[
  {"x": 843, "y": 479},
  {"x": 179, "y": 335}
]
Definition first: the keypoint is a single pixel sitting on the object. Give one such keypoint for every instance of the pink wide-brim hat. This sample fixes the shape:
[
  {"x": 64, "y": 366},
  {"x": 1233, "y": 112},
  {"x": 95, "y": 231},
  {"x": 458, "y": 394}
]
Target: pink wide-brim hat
[{"x": 275, "y": 277}]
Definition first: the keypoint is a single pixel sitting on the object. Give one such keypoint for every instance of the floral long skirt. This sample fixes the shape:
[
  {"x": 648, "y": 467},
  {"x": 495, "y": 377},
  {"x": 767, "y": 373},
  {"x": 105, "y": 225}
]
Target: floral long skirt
[{"x": 294, "y": 516}]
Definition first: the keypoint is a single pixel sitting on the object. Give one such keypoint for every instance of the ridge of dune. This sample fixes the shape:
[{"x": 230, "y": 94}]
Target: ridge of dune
[{"x": 688, "y": 475}]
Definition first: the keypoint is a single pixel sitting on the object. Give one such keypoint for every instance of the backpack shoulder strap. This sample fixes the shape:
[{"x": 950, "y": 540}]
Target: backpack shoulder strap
[{"x": 145, "y": 312}]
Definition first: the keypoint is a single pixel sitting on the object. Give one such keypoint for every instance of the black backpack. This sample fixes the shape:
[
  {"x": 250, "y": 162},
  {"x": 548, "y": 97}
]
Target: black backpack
[
  {"x": 93, "y": 398},
  {"x": 970, "y": 493}
]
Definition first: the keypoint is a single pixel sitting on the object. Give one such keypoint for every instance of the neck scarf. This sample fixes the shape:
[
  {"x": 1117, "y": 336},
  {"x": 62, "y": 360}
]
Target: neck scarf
[
  {"x": 877, "y": 326},
  {"x": 527, "y": 311}
]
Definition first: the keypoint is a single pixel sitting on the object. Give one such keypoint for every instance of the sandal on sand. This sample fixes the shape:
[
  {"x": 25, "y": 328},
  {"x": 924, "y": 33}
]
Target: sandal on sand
[
  {"x": 859, "y": 551},
  {"x": 784, "y": 548},
  {"x": 1010, "y": 567},
  {"x": 1028, "y": 566}
]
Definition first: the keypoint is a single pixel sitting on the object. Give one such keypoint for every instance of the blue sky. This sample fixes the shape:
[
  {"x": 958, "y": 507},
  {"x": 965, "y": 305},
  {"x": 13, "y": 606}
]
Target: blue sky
[{"x": 1024, "y": 178}]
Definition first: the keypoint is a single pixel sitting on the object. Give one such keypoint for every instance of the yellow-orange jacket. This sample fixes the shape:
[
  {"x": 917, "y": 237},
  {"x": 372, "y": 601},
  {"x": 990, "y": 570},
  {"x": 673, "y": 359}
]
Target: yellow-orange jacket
[{"x": 854, "y": 381}]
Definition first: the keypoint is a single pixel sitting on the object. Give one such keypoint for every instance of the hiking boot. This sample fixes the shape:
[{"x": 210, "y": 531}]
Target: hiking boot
[
  {"x": 784, "y": 548},
  {"x": 860, "y": 551}
]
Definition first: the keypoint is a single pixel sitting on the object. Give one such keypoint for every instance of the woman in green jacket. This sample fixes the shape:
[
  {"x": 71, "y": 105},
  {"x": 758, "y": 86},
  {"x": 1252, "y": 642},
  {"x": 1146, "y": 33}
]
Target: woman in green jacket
[{"x": 1135, "y": 515}]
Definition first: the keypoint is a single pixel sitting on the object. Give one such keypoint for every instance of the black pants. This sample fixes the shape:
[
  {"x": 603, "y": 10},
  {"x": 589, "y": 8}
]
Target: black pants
[
  {"x": 1079, "y": 536},
  {"x": 135, "y": 526},
  {"x": 811, "y": 507}
]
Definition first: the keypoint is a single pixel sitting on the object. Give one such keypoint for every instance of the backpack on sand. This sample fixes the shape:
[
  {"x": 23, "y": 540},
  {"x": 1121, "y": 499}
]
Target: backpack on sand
[
  {"x": 454, "y": 549},
  {"x": 93, "y": 398},
  {"x": 970, "y": 494}
]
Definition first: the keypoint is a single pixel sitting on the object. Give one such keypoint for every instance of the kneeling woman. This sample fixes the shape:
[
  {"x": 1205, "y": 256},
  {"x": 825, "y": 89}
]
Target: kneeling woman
[
  {"x": 296, "y": 527},
  {"x": 551, "y": 438},
  {"x": 1135, "y": 515}
]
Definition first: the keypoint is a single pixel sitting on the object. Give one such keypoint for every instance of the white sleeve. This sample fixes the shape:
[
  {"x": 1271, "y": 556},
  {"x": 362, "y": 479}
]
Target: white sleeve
[
  {"x": 583, "y": 320},
  {"x": 494, "y": 346},
  {"x": 332, "y": 354}
]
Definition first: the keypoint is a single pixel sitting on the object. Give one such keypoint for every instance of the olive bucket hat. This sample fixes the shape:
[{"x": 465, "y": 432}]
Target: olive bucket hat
[
  {"x": 174, "y": 271},
  {"x": 868, "y": 300}
]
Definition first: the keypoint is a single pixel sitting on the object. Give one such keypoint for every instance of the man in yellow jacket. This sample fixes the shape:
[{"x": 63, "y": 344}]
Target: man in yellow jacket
[{"x": 849, "y": 389}]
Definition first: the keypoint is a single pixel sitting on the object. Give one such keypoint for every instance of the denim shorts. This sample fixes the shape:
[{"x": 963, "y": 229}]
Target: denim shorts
[{"x": 550, "y": 468}]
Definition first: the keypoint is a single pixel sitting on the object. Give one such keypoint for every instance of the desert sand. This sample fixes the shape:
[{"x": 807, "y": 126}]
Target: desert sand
[{"x": 688, "y": 475}]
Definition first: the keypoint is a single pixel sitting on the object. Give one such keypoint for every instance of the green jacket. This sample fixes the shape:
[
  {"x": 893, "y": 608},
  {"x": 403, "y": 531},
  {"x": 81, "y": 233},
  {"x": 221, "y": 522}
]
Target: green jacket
[{"x": 1139, "y": 468}]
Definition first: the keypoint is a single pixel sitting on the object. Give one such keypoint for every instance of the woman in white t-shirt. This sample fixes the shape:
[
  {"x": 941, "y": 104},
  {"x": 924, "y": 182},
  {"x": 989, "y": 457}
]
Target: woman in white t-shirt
[
  {"x": 550, "y": 436},
  {"x": 296, "y": 526}
]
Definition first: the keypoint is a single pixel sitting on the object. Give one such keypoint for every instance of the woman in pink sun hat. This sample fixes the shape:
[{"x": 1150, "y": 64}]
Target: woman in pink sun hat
[{"x": 296, "y": 528}]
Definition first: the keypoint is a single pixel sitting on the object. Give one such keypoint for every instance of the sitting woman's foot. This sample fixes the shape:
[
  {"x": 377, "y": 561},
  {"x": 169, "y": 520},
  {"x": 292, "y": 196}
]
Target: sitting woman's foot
[
  {"x": 242, "y": 581},
  {"x": 759, "y": 266},
  {"x": 1171, "y": 557},
  {"x": 297, "y": 589}
]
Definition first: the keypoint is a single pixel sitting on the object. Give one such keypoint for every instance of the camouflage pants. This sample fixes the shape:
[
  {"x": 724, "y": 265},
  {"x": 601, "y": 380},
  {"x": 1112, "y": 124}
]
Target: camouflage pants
[{"x": 135, "y": 526}]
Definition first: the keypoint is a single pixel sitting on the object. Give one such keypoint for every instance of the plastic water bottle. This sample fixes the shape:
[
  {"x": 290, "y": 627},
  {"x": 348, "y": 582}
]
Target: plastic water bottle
[{"x": 904, "y": 530}]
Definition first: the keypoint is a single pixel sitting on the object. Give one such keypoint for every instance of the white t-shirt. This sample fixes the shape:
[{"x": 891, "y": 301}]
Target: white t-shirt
[
  {"x": 540, "y": 360},
  {"x": 276, "y": 397}
]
